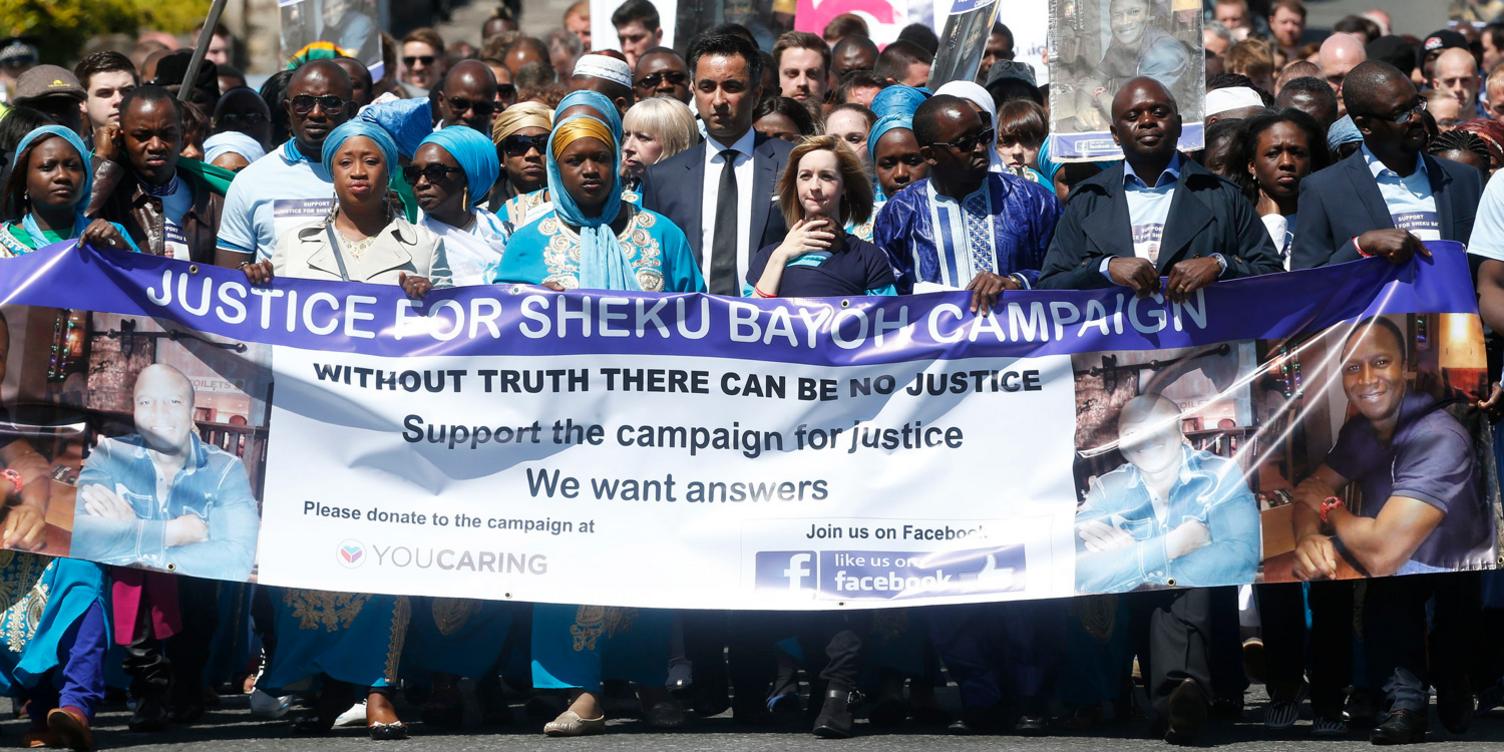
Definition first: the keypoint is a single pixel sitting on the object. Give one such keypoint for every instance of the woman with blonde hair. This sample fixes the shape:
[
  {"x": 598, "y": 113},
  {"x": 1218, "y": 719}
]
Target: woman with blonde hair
[
  {"x": 823, "y": 189},
  {"x": 654, "y": 130}
]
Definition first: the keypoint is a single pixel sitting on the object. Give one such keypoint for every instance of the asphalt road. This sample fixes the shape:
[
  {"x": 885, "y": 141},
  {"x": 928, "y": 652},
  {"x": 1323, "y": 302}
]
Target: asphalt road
[{"x": 232, "y": 728}]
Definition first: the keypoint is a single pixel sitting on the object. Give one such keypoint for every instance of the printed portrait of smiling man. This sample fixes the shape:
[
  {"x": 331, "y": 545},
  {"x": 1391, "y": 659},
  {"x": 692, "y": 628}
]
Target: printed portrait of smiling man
[{"x": 1413, "y": 462}]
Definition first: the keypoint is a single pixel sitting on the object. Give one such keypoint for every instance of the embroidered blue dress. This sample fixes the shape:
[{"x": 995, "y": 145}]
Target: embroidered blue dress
[
  {"x": 548, "y": 250},
  {"x": 1003, "y": 227}
]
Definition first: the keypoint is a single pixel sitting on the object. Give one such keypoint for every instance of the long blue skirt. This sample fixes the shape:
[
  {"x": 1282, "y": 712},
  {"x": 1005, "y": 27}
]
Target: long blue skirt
[{"x": 350, "y": 637}]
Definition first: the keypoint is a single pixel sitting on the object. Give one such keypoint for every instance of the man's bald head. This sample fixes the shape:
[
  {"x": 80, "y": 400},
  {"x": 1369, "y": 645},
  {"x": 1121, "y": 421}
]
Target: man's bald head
[
  {"x": 853, "y": 52},
  {"x": 468, "y": 95},
  {"x": 1367, "y": 88},
  {"x": 325, "y": 72},
  {"x": 1456, "y": 72},
  {"x": 1149, "y": 435},
  {"x": 1339, "y": 54},
  {"x": 1136, "y": 89},
  {"x": 935, "y": 113},
  {"x": 163, "y": 399}
]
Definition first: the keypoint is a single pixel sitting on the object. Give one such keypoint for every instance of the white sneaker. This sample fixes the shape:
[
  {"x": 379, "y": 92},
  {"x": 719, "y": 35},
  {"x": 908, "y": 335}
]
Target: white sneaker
[
  {"x": 266, "y": 705},
  {"x": 355, "y": 716}
]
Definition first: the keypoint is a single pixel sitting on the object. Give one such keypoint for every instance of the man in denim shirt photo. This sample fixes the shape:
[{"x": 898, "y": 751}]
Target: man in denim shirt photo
[
  {"x": 162, "y": 497},
  {"x": 1170, "y": 515}
]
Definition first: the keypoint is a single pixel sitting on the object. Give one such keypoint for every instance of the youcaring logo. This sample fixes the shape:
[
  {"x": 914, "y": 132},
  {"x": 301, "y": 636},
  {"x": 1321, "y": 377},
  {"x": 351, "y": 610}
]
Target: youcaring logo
[{"x": 350, "y": 553}]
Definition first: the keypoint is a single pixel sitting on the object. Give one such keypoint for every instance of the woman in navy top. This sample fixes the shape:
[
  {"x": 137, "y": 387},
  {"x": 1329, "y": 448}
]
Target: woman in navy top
[{"x": 823, "y": 189}]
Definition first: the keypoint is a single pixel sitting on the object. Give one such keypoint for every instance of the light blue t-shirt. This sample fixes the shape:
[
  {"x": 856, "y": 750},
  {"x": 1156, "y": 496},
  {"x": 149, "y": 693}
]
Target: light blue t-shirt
[
  {"x": 275, "y": 194},
  {"x": 1148, "y": 210},
  {"x": 1409, "y": 199}
]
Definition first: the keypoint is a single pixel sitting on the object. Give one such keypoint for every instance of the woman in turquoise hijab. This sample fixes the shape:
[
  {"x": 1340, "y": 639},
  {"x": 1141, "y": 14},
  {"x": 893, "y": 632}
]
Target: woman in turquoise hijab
[
  {"x": 44, "y": 198},
  {"x": 452, "y": 172},
  {"x": 590, "y": 238}
]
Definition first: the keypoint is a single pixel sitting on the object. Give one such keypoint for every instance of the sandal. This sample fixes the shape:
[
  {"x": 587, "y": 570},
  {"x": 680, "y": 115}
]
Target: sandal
[{"x": 569, "y": 723}]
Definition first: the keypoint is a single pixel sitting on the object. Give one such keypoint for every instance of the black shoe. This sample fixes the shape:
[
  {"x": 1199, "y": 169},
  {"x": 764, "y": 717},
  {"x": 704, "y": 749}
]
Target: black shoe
[
  {"x": 752, "y": 712},
  {"x": 387, "y": 732},
  {"x": 1360, "y": 711},
  {"x": 1029, "y": 725},
  {"x": 1400, "y": 727},
  {"x": 1186, "y": 711},
  {"x": 185, "y": 714},
  {"x": 835, "y": 717},
  {"x": 1454, "y": 706},
  {"x": 150, "y": 715},
  {"x": 785, "y": 707}
]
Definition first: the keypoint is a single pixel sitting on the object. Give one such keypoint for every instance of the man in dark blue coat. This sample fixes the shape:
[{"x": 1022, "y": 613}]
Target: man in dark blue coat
[
  {"x": 1158, "y": 214},
  {"x": 1389, "y": 195}
]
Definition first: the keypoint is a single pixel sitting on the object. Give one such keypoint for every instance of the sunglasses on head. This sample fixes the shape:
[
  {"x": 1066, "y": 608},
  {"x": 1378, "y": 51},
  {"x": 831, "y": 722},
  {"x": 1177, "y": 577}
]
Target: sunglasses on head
[
  {"x": 426, "y": 60},
  {"x": 518, "y": 145},
  {"x": 436, "y": 173},
  {"x": 459, "y": 105},
  {"x": 652, "y": 80},
  {"x": 303, "y": 104}
]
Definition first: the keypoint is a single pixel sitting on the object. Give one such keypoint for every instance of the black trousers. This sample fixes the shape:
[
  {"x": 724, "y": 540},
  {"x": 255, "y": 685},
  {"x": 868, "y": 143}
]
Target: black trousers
[
  {"x": 1000, "y": 654},
  {"x": 1325, "y": 655},
  {"x": 146, "y": 658},
  {"x": 1172, "y": 630},
  {"x": 1395, "y": 633}
]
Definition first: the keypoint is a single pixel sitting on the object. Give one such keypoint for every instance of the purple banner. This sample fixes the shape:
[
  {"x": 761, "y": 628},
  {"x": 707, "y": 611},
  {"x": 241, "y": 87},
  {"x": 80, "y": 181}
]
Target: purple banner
[{"x": 521, "y": 320}]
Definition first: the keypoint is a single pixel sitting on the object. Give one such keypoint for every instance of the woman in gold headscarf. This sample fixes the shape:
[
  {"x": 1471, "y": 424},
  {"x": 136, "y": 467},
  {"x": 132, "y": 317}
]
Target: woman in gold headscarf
[
  {"x": 589, "y": 238},
  {"x": 521, "y": 136}
]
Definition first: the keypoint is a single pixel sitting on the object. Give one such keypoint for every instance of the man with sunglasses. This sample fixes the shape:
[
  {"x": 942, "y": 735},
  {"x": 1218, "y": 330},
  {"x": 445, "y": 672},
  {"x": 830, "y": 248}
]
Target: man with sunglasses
[
  {"x": 289, "y": 186},
  {"x": 467, "y": 97},
  {"x": 1390, "y": 195},
  {"x": 662, "y": 73},
  {"x": 422, "y": 58},
  {"x": 964, "y": 227}
]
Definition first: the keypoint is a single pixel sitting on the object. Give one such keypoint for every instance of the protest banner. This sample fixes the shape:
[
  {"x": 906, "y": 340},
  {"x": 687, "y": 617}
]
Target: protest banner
[
  {"x": 1096, "y": 46},
  {"x": 963, "y": 41},
  {"x": 689, "y": 451}
]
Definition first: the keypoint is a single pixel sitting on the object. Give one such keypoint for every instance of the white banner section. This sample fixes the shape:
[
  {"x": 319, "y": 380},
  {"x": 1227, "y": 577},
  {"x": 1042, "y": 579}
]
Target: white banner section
[{"x": 672, "y": 482}]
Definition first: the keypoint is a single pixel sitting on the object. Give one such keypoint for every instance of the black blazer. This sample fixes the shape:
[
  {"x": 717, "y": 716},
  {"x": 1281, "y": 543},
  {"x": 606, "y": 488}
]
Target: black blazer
[
  {"x": 1343, "y": 201},
  {"x": 1207, "y": 215},
  {"x": 676, "y": 189}
]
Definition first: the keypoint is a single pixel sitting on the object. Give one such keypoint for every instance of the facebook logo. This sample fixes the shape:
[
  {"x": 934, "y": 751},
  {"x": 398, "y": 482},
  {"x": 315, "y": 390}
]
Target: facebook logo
[{"x": 793, "y": 571}]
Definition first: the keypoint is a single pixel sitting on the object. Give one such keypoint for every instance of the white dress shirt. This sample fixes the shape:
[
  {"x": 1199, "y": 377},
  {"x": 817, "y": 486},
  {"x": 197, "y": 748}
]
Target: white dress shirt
[{"x": 744, "y": 173}]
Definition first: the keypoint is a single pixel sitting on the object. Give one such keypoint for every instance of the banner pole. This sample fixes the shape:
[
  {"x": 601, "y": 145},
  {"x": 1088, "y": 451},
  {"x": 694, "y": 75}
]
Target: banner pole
[{"x": 200, "y": 49}]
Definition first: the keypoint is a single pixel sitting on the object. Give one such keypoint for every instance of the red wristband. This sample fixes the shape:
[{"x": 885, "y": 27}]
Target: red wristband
[
  {"x": 14, "y": 478},
  {"x": 1327, "y": 505},
  {"x": 1359, "y": 248}
]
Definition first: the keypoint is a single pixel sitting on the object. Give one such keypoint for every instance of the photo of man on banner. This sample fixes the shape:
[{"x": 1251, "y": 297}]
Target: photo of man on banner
[
  {"x": 1153, "y": 520},
  {"x": 1420, "y": 507},
  {"x": 163, "y": 498}
]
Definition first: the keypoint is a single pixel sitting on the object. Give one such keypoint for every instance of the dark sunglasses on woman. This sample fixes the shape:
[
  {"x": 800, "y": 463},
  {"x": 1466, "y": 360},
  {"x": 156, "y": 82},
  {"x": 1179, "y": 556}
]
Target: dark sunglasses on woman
[{"x": 517, "y": 145}]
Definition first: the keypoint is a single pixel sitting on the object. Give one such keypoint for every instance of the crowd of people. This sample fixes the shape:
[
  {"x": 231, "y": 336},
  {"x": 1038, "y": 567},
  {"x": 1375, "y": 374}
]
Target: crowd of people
[{"x": 541, "y": 161}]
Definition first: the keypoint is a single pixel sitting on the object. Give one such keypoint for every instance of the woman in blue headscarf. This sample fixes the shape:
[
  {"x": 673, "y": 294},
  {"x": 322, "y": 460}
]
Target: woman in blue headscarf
[
  {"x": 350, "y": 642},
  {"x": 896, "y": 162},
  {"x": 898, "y": 100},
  {"x": 46, "y": 194},
  {"x": 590, "y": 238},
  {"x": 452, "y": 173},
  {"x": 365, "y": 238}
]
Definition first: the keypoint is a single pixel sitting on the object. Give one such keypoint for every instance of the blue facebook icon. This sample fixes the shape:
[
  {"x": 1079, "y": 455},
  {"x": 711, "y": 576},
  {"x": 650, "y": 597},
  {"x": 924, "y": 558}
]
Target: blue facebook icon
[{"x": 786, "y": 570}]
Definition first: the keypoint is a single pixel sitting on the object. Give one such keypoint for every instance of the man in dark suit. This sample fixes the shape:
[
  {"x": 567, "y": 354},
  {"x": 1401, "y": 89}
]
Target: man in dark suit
[
  {"x": 1119, "y": 229},
  {"x": 1389, "y": 195},
  {"x": 1160, "y": 214},
  {"x": 720, "y": 191}
]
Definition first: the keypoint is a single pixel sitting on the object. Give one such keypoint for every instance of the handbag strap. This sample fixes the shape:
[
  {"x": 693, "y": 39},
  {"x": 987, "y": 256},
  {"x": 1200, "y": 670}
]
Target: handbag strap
[{"x": 339, "y": 258}]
